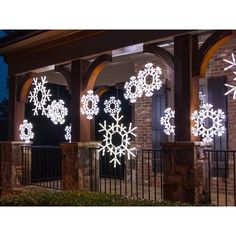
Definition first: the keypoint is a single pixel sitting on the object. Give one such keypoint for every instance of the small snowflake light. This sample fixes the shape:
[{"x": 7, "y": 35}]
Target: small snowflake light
[
  {"x": 133, "y": 89},
  {"x": 150, "y": 79},
  {"x": 68, "y": 133},
  {"x": 166, "y": 121},
  {"x": 112, "y": 106},
  {"x": 57, "y": 112},
  {"x": 116, "y": 140},
  {"x": 89, "y": 104},
  {"x": 26, "y": 132},
  {"x": 204, "y": 115},
  {"x": 39, "y": 96},
  {"x": 202, "y": 98}
]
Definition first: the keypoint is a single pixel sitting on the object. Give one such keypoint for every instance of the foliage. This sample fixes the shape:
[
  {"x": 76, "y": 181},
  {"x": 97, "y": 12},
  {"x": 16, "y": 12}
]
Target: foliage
[{"x": 76, "y": 198}]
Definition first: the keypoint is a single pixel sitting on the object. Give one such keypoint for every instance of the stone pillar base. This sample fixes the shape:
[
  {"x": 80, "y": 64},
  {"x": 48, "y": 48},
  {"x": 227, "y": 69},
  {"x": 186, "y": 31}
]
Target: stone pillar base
[
  {"x": 80, "y": 166},
  {"x": 184, "y": 167},
  {"x": 11, "y": 165}
]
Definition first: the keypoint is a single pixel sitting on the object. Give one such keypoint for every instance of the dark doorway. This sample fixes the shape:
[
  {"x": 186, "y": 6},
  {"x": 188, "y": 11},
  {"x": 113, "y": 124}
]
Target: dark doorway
[{"x": 106, "y": 168}]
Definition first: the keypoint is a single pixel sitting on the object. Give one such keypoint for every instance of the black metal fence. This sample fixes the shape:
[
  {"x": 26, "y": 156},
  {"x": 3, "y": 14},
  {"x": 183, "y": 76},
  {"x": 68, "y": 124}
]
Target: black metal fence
[
  {"x": 42, "y": 166},
  {"x": 139, "y": 177},
  {"x": 221, "y": 176}
]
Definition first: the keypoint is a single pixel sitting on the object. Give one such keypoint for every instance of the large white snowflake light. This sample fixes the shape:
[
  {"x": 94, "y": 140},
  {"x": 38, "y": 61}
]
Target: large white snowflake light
[
  {"x": 133, "y": 89},
  {"x": 214, "y": 120},
  {"x": 231, "y": 63},
  {"x": 26, "y": 132},
  {"x": 89, "y": 104},
  {"x": 40, "y": 95},
  {"x": 166, "y": 121},
  {"x": 57, "y": 112},
  {"x": 150, "y": 79},
  {"x": 116, "y": 140},
  {"x": 68, "y": 133},
  {"x": 112, "y": 106}
]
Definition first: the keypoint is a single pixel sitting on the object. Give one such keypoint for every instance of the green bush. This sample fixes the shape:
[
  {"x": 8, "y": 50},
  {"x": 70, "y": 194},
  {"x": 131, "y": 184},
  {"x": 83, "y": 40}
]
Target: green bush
[{"x": 76, "y": 198}]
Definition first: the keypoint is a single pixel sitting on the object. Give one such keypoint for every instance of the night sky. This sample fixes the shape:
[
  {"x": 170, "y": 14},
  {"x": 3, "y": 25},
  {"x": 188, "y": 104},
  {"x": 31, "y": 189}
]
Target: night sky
[{"x": 3, "y": 75}]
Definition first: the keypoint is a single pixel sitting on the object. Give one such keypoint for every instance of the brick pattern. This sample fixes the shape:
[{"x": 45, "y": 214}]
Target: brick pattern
[{"x": 216, "y": 68}]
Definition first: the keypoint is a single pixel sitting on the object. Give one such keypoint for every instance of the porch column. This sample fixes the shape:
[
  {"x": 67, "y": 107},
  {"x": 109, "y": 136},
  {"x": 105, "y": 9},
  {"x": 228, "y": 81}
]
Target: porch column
[
  {"x": 80, "y": 124},
  {"x": 186, "y": 85},
  {"x": 16, "y": 110}
]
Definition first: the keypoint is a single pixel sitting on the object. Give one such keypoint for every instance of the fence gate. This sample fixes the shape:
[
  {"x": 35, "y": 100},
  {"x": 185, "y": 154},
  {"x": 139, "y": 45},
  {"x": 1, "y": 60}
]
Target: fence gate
[{"x": 42, "y": 166}]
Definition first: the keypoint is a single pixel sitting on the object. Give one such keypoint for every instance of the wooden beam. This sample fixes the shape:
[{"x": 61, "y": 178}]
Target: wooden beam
[
  {"x": 65, "y": 50},
  {"x": 186, "y": 88}
]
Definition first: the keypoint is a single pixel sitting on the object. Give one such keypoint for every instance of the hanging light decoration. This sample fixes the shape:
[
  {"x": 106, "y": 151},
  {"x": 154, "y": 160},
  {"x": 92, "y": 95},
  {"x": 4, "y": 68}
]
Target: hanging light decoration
[
  {"x": 166, "y": 121},
  {"x": 133, "y": 89},
  {"x": 112, "y": 106},
  {"x": 150, "y": 79},
  {"x": 202, "y": 98},
  {"x": 201, "y": 117},
  {"x": 57, "y": 112},
  {"x": 26, "y": 133},
  {"x": 68, "y": 133},
  {"x": 89, "y": 104},
  {"x": 117, "y": 131},
  {"x": 40, "y": 95}
]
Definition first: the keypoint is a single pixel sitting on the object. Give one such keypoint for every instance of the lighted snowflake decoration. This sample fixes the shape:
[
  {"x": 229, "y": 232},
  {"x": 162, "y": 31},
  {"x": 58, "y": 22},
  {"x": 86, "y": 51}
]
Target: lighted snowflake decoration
[
  {"x": 112, "y": 106},
  {"x": 208, "y": 115},
  {"x": 39, "y": 96},
  {"x": 232, "y": 90},
  {"x": 133, "y": 89},
  {"x": 89, "y": 104},
  {"x": 116, "y": 140},
  {"x": 68, "y": 133},
  {"x": 202, "y": 98},
  {"x": 57, "y": 112},
  {"x": 150, "y": 79},
  {"x": 166, "y": 121},
  {"x": 231, "y": 63},
  {"x": 26, "y": 132}
]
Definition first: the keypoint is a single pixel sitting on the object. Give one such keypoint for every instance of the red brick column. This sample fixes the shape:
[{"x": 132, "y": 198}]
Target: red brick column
[
  {"x": 184, "y": 167},
  {"x": 78, "y": 166},
  {"x": 11, "y": 165}
]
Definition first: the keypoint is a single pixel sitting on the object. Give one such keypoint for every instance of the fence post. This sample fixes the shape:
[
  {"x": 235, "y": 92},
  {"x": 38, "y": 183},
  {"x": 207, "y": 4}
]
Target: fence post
[
  {"x": 78, "y": 166},
  {"x": 184, "y": 169},
  {"x": 11, "y": 165}
]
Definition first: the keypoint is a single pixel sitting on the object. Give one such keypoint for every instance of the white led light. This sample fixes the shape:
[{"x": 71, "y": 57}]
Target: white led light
[
  {"x": 202, "y": 98},
  {"x": 153, "y": 74},
  {"x": 133, "y": 89},
  {"x": 57, "y": 112},
  {"x": 208, "y": 114},
  {"x": 26, "y": 132},
  {"x": 165, "y": 121},
  {"x": 108, "y": 141},
  {"x": 39, "y": 103},
  {"x": 232, "y": 90},
  {"x": 89, "y": 104},
  {"x": 112, "y": 106},
  {"x": 68, "y": 133},
  {"x": 232, "y": 63}
]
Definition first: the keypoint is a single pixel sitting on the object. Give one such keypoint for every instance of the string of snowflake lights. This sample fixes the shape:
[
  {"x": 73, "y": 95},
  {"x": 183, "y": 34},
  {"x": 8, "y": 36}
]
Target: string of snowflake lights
[
  {"x": 112, "y": 106},
  {"x": 39, "y": 89},
  {"x": 166, "y": 121},
  {"x": 26, "y": 133},
  {"x": 57, "y": 112},
  {"x": 110, "y": 137},
  {"x": 149, "y": 79},
  {"x": 89, "y": 104},
  {"x": 202, "y": 98},
  {"x": 208, "y": 115},
  {"x": 68, "y": 133},
  {"x": 232, "y": 87},
  {"x": 133, "y": 89}
]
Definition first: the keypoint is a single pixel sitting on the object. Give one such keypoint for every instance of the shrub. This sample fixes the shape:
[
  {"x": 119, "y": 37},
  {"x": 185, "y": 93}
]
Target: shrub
[{"x": 76, "y": 198}]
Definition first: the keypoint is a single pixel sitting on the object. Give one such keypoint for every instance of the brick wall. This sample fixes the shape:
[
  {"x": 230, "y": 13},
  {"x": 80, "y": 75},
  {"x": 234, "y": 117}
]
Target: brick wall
[
  {"x": 142, "y": 109},
  {"x": 216, "y": 68}
]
